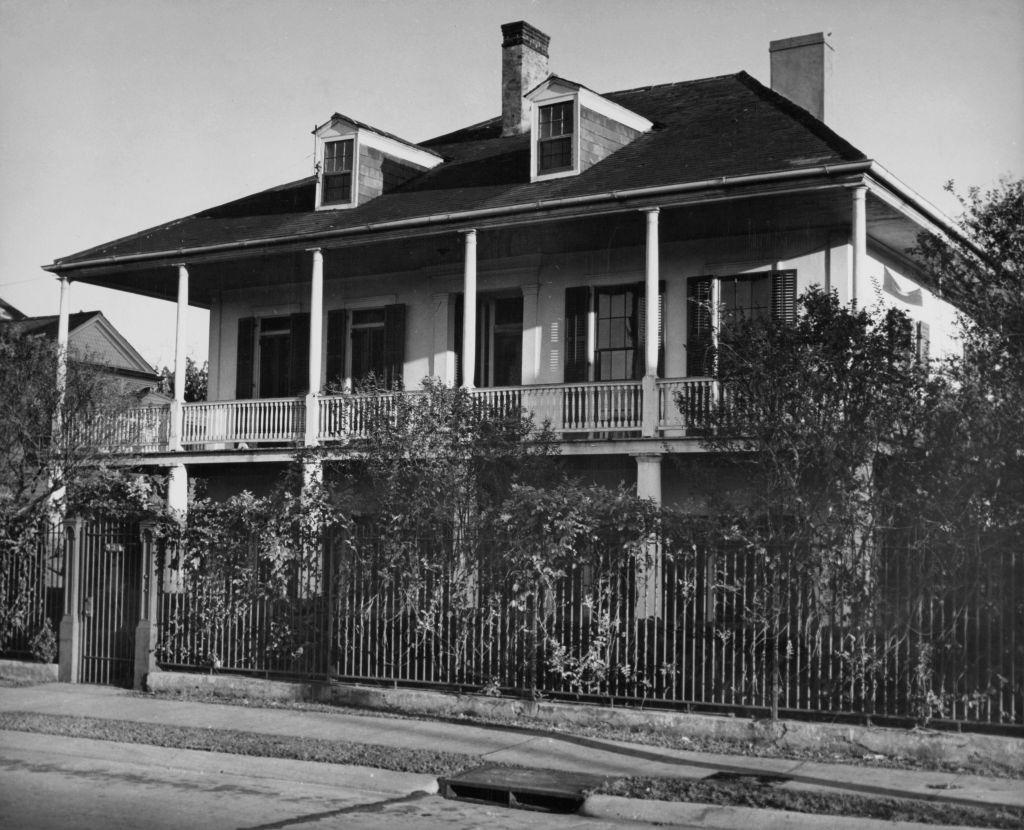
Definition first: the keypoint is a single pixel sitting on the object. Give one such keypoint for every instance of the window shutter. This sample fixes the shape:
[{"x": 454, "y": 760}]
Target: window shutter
[
  {"x": 784, "y": 296},
  {"x": 641, "y": 344},
  {"x": 394, "y": 344},
  {"x": 699, "y": 358},
  {"x": 298, "y": 362},
  {"x": 577, "y": 307},
  {"x": 244, "y": 358},
  {"x": 923, "y": 341},
  {"x": 335, "y": 363},
  {"x": 457, "y": 317}
]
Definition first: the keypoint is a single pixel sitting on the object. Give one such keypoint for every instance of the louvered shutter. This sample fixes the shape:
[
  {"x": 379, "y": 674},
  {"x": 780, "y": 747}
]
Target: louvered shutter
[
  {"x": 298, "y": 356},
  {"x": 577, "y": 307},
  {"x": 784, "y": 296},
  {"x": 699, "y": 357},
  {"x": 457, "y": 318},
  {"x": 640, "y": 363},
  {"x": 394, "y": 344},
  {"x": 336, "y": 346},
  {"x": 244, "y": 358}
]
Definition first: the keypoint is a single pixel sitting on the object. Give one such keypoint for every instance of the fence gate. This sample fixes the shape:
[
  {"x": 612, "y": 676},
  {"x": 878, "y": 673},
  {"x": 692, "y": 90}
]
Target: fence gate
[{"x": 108, "y": 602}]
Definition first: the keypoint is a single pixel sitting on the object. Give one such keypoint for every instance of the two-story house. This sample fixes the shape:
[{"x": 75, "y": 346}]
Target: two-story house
[{"x": 570, "y": 256}]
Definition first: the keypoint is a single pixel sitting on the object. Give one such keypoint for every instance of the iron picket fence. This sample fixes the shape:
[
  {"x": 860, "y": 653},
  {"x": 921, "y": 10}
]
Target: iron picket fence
[
  {"x": 687, "y": 627},
  {"x": 31, "y": 593}
]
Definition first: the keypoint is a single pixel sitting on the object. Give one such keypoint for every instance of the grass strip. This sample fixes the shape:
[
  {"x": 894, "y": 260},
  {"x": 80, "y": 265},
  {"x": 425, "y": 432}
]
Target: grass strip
[
  {"x": 834, "y": 753},
  {"x": 750, "y": 791},
  {"x": 236, "y": 742}
]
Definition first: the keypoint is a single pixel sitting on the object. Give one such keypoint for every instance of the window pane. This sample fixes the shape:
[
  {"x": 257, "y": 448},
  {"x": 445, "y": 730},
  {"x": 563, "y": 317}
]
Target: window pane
[
  {"x": 555, "y": 154},
  {"x": 338, "y": 156},
  {"x": 337, "y": 189}
]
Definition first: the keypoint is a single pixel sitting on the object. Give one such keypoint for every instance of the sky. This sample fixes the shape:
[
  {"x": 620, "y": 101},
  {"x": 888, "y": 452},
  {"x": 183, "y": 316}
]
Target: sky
[{"x": 117, "y": 115}]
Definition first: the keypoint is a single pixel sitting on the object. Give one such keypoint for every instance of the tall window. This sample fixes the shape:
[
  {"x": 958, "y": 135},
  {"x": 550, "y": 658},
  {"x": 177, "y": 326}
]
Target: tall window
[
  {"x": 554, "y": 137},
  {"x": 739, "y": 297},
  {"x": 368, "y": 344},
  {"x": 336, "y": 186},
  {"x": 617, "y": 329}
]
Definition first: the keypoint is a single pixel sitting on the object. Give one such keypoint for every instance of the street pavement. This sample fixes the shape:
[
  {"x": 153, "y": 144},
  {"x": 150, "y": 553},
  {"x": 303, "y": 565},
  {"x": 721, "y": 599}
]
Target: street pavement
[
  {"x": 53, "y": 783},
  {"x": 54, "y": 780}
]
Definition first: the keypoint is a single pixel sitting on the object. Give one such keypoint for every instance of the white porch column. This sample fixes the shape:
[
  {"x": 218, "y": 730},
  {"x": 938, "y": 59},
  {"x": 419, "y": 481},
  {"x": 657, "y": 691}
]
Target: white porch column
[
  {"x": 860, "y": 243},
  {"x": 469, "y": 312},
  {"x": 174, "y": 437},
  {"x": 531, "y": 335},
  {"x": 443, "y": 367},
  {"x": 57, "y": 494},
  {"x": 316, "y": 330},
  {"x": 651, "y": 292},
  {"x": 63, "y": 324},
  {"x": 649, "y": 423},
  {"x": 177, "y": 489},
  {"x": 649, "y": 566}
]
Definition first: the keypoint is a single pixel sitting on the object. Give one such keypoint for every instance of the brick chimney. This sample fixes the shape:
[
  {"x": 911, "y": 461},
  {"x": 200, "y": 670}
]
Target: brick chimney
[
  {"x": 524, "y": 64},
  {"x": 802, "y": 71}
]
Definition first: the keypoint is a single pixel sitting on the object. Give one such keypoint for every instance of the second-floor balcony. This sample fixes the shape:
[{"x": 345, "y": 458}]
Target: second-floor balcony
[{"x": 619, "y": 409}]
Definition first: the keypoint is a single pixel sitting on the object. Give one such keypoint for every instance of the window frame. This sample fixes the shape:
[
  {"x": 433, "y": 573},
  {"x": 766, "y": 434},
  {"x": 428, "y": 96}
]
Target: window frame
[
  {"x": 350, "y": 172},
  {"x": 536, "y": 175},
  {"x": 567, "y": 112},
  {"x": 332, "y": 138}
]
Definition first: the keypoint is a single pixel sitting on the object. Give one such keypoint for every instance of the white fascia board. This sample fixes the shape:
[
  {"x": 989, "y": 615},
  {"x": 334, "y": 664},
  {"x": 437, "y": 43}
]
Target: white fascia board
[
  {"x": 611, "y": 110},
  {"x": 399, "y": 149},
  {"x": 368, "y": 137}
]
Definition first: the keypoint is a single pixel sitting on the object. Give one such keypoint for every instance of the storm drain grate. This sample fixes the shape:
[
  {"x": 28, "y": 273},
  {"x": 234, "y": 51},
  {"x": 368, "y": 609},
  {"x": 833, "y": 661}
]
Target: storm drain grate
[{"x": 549, "y": 791}]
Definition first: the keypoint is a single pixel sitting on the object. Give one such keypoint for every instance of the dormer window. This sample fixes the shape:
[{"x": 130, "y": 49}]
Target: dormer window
[
  {"x": 356, "y": 163},
  {"x": 337, "y": 173},
  {"x": 573, "y": 128},
  {"x": 555, "y": 137}
]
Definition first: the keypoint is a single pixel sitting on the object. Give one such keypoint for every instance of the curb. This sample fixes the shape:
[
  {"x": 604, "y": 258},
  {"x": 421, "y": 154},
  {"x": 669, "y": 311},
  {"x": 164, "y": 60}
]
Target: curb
[
  {"x": 24, "y": 671},
  {"x": 617, "y": 808},
  {"x": 922, "y": 744}
]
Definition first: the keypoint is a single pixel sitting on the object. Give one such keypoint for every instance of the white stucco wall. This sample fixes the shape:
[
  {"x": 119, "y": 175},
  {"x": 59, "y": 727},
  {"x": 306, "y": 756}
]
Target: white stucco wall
[{"x": 819, "y": 258}]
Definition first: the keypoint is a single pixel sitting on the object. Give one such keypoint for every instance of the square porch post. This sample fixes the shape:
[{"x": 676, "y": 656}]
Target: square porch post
[{"x": 70, "y": 643}]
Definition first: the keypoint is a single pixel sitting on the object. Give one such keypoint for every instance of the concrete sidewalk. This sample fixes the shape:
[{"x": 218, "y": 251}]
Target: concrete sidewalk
[{"x": 507, "y": 745}]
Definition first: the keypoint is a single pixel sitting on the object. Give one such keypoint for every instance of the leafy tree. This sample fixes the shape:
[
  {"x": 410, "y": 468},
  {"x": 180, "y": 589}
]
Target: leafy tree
[
  {"x": 196, "y": 380},
  {"x": 810, "y": 412},
  {"x": 38, "y": 460}
]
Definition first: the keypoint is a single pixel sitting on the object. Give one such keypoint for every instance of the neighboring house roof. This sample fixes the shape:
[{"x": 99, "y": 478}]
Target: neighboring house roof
[
  {"x": 9, "y": 312},
  {"x": 91, "y": 337},
  {"x": 725, "y": 126}
]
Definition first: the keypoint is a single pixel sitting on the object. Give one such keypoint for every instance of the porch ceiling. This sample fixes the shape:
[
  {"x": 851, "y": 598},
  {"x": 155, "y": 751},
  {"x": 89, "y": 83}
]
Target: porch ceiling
[{"x": 439, "y": 250}]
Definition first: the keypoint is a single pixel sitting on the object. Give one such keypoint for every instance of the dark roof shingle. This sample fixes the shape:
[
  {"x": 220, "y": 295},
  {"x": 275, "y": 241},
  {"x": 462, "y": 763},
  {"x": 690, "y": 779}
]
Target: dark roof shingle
[{"x": 725, "y": 126}]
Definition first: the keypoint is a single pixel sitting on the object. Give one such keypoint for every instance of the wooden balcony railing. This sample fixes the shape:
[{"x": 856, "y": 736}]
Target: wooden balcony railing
[
  {"x": 275, "y": 420},
  {"x": 603, "y": 409}
]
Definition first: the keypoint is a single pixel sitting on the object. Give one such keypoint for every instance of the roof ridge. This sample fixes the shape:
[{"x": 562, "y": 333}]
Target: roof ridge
[
  {"x": 815, "y": 125},
  {"x": 648, "y": 87}
]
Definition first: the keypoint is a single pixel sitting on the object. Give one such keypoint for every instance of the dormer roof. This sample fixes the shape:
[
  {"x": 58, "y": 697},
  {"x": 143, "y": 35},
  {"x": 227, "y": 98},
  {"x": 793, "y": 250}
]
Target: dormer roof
[{"x": 555, "y": 86}]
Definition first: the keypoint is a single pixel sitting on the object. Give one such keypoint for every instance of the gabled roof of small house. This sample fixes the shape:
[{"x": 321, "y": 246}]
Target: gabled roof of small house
[
  {"x": 730, "y": 125},
  {"x": 84, "y": 327}
]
